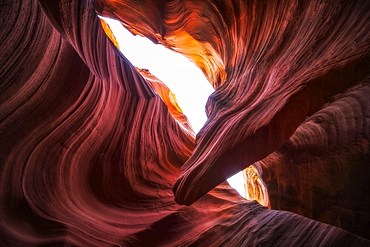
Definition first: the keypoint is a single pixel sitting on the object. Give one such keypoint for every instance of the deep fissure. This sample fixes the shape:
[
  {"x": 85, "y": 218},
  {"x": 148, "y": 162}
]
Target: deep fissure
[{"x": 190, "y": 88}]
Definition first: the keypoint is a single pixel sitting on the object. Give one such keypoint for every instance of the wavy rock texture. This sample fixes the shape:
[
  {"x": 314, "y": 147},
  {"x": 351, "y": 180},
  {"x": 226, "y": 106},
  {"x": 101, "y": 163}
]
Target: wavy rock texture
[{"x": 90, "y": 153}]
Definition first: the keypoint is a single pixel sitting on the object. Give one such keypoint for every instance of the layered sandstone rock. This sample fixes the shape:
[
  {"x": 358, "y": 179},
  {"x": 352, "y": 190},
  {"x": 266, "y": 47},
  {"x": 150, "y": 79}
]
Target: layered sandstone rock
[{"x": 91, "y": 150}]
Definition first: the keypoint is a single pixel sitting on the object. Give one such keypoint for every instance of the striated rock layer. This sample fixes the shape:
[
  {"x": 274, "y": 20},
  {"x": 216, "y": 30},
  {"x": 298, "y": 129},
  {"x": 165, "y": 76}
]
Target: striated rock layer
[{"x": 91, "y": 151}]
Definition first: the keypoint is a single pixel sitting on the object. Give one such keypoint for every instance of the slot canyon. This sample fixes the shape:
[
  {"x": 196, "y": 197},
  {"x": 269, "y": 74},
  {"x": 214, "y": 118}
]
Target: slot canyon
[{"x": 95, "y": 152}]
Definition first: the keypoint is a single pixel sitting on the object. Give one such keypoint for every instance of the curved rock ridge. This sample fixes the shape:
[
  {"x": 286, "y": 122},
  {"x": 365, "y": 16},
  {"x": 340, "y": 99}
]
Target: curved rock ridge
[
  {"x": 89, "y": 153},
  {"x": 275, "y": 56},
  {"x": 322, "y": 172},
  {"x": 237, "y": 111},
  {"x": 283, "y": 63}
]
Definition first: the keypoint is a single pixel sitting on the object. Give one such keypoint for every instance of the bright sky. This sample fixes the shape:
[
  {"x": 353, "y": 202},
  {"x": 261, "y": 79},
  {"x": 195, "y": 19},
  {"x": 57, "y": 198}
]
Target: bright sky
[{"x": 183, "y": 77}]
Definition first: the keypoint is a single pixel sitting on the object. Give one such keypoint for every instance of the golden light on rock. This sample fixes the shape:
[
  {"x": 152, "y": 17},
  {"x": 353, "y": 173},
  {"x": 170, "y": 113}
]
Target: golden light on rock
[
  {"x": 255, "y": 187},
  {"x": 94, "y": 152}
]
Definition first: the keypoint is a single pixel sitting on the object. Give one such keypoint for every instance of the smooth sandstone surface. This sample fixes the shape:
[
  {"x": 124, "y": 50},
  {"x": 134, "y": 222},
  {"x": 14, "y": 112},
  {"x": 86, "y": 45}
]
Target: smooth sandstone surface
[{"x": 94, "y": 152}]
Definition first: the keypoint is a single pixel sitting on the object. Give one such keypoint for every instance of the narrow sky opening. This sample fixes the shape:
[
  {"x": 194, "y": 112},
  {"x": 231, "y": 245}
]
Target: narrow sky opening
[{"x": 183, "y": 77}]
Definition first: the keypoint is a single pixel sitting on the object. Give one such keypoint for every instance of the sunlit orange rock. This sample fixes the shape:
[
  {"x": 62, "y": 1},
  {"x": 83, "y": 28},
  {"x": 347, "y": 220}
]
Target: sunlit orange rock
[
  {"x": 168, "y": 98},
  {"x": 90, "y": 153}
]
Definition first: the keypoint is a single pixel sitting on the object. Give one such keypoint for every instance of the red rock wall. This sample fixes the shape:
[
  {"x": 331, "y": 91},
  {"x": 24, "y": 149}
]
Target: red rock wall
[{"x": 90, "y": 153}]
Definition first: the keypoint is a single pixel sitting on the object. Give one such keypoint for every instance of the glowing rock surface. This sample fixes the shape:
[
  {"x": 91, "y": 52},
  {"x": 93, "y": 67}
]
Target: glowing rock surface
[{"x": 90, "y": 155}]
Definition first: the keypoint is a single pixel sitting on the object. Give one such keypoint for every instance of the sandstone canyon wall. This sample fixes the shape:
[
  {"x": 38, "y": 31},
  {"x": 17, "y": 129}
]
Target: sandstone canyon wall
[{"x": 93, "y": 153}]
